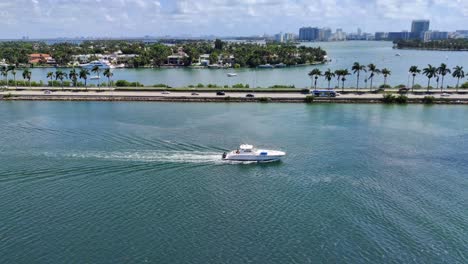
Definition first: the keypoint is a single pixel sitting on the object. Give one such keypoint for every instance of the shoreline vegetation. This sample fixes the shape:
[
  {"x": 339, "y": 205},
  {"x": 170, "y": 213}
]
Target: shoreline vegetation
[
  {"x": 440, "y": 45},
  {"x": 200, "y": 54}
]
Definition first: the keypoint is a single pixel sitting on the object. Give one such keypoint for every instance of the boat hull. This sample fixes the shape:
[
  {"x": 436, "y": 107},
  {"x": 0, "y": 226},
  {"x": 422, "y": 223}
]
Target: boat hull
[{"x": 260, "y": 156}]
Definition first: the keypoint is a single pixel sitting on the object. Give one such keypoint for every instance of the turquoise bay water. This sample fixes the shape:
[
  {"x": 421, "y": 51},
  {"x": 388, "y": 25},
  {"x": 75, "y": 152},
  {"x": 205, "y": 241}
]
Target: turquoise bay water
[
  {"x": 142, "y": 182},
  {"x": 343, "y": 55}
]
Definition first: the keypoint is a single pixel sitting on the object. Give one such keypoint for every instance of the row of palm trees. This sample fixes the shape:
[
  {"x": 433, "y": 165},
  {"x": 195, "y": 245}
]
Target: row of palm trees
[
  {"x": 430, "y": 72},
  {"x": 438, "y": 73},
  {"x": 73, "y": 75},
  {"x": 83, "y": 74}
]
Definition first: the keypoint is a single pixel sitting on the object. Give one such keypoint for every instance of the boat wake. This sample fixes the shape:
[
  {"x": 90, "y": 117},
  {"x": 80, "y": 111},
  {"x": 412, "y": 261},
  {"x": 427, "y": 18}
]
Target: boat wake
[{"x": 149, "y": 156}]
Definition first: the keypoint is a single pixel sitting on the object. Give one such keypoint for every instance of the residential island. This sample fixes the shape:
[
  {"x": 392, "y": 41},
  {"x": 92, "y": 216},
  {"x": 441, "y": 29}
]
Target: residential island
[{"x": 128, "y": 54}]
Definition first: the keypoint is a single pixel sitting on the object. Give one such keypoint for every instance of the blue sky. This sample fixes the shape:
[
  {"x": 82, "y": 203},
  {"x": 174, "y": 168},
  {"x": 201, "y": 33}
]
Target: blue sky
[{"x": 115, "y": 18}]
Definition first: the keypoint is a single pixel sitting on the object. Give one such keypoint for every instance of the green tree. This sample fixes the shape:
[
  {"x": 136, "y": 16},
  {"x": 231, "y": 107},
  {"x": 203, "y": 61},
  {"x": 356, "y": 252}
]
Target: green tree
[
  {"x": 27, "y": 74},
  {"x": 108, "y": 74},
  {"x": 414, "y": 71},
  {"x": 329, "y": 75},
  {"x": 12, "y": 68},
  {"x": 459, "y": 74},
  {"x": 386, "y": 72},
  {"x": 430, "y": 73},
  {"x": 51, "y": 76},
  {"x": 338, "y": 74},
  {"x": 97, "y": 71},
  {"x": 357, "y": 68},
  {"x": 373, "y": 72},
  {"x": 5, "y": 74},
  {"x": 84, "y": 75},
  {"x": 442, "y": 71},
  {"x": 60, "y": 75},
  {"x": 73, "y": 75},
  {"x": 315, "y": 74},
  {"x": 219, "y": 44},
  {"x": 344, "y": 73}
]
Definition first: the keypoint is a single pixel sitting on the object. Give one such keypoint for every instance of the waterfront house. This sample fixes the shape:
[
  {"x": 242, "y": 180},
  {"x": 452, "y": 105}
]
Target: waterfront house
[
  {"x": 177, "y": 59},
  {"x": 41, "y": 58}
]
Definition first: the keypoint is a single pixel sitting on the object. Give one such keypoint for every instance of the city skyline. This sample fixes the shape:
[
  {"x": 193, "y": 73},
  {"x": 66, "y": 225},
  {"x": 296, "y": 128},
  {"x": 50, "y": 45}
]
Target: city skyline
[{"x": 134, "y": 18}]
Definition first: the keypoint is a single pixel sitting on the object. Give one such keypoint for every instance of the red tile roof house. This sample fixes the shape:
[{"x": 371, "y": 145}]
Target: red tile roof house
[{"x": 40, "y": 58}]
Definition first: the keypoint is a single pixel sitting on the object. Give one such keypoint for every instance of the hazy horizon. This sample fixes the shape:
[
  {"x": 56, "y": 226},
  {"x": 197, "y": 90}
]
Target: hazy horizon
[{"x": 135, "y": 18}]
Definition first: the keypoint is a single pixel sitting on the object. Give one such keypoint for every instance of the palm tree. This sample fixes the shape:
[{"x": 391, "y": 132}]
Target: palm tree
[
  {"x": 386, "y": 72},
  {"x": 338, "y": 76},
  {"x": 60, "y": 75},
  {"x": 51, "y": 76},
  {"x": 4, "y": 73},
  {"x": 108, "y": 74},
  {"x": 315, "y": 74},
  {"x": 414, "y": 71},
  {"x": 459, "y": 74},
  {"x": 12, "y": 68},
  {"x": 430, "y": 73},
  {"x": 374, "y": 71},
  {"x": 27, "y": 76},
  {"x": 443, "y": 70},
  {"x": 357, "y": 68},
  {"x": 344, "y": 73},
  {"x": 329, "y": 76},
  {"x": 97, "y": 70},
  {"x": 72, "y": 75},
  {"x": 84, "y": 75}
]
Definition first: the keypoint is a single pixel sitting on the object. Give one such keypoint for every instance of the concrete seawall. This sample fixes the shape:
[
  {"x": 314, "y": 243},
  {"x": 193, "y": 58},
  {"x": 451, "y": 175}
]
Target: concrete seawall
[{"x": 120, "y": 98}]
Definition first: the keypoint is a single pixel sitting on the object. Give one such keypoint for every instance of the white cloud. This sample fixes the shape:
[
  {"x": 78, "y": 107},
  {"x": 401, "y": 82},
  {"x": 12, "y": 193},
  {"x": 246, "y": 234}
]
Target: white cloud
[{"x": 54, "y": 18}]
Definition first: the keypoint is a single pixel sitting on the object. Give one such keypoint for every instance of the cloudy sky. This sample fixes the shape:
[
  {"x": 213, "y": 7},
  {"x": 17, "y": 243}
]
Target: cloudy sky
[{"x": 115, "y": 18}]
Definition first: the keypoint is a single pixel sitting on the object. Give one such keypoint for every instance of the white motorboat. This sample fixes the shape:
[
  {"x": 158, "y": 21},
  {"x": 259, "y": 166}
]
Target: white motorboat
[
  {"x": 232, "y": 74},
  {"x": 101, "y": 64},
  {"x": 249, "y": 153}
]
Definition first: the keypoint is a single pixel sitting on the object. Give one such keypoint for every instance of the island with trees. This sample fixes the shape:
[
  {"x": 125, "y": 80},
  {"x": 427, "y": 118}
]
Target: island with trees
[
  {"x": 133, "y": 54},
  {"x": 447, "y": 44}
]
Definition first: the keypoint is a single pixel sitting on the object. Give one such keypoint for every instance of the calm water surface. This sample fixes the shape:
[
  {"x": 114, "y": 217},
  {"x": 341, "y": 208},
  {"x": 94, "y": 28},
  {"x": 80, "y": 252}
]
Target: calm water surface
[
  {"x": 143, "y": 182},
  {"x": 343, "y": 55}
]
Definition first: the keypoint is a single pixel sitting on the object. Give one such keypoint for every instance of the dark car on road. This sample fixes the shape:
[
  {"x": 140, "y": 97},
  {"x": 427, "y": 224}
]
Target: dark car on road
[
  {"x": 403, "y": 90},
  {"x": 220, "y": 93},
  {"x": 250, "y": 96}
]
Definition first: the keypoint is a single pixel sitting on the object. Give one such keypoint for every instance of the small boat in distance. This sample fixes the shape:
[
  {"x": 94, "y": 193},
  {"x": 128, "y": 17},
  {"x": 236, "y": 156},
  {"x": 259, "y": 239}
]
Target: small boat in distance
[
  {"x": 398, "y": 54},
  {"x": 265, "y": 66},
  {"x": 232, "y": 74},
  {"x": 249, "y": 153}
]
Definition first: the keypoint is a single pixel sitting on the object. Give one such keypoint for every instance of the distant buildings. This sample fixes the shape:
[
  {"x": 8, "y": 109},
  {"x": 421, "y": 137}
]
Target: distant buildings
[
  {"x": 309, "y": 34},
  {"x": 325, "y": 34},
  {"x": 319, "y": 34},
  {"x": 435, "y": 35},
  {"x": 395, "y": 36},
  {"x": 461, "y": 34},
  {"x": 284, "y": 37},
  {"x": 418, "y": 28}
]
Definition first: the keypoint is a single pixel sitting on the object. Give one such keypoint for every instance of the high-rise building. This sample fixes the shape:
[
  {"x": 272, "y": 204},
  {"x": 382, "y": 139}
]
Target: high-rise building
[
  {"x": 279, "y": 37},
  {"x": 359, "y": 32},
  {"x": 418, "y": 27},
  {"x": 403, "y": 35},
  {"x": 288, "y": 37},
  {"x": 325, "y": 34},
  {"x": 308, "y": 34}
]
